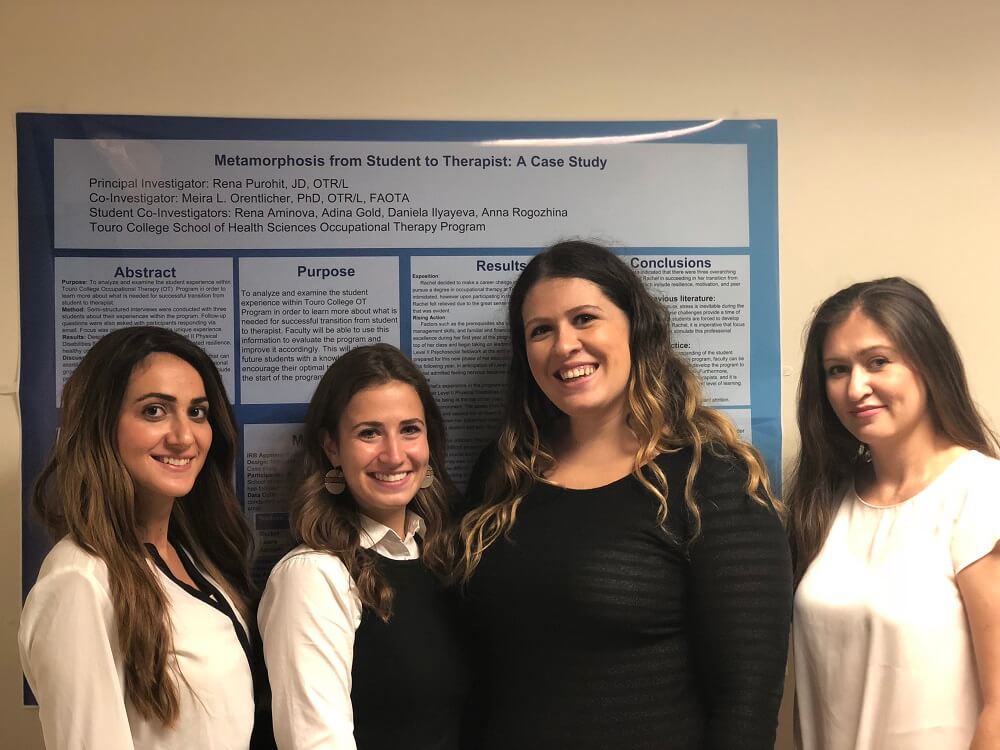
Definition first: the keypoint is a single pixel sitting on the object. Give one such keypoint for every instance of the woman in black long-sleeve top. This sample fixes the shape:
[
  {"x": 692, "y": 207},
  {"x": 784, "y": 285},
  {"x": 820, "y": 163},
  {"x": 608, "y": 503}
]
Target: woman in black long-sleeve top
[{"x": 628, "y": 576}]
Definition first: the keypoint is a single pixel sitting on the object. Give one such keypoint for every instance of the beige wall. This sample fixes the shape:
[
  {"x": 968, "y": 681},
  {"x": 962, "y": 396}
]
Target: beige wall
[{"x": 888, "y": 128}]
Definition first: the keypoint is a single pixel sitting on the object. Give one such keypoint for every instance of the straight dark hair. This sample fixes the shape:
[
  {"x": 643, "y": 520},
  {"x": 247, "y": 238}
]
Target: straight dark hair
[
  {"x": 85, "y": 492},
  {"x": 828, "y": 452}
]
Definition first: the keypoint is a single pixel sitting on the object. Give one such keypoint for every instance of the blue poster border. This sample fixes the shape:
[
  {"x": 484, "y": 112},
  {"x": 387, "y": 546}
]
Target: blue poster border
[{"x": 36, "y": 133}]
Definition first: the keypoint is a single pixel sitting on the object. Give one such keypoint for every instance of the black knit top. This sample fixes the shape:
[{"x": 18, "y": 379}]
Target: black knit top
[
  {"x": 409, "y": 679},
  {"x": 598, "y": 629}
]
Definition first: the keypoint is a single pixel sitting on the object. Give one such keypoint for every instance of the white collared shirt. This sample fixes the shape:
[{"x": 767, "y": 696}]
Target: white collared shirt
[
  {"x": 74, "y": 663},
  {"x": 308, "y": 616},
  {"x": 387, "y": 543}
]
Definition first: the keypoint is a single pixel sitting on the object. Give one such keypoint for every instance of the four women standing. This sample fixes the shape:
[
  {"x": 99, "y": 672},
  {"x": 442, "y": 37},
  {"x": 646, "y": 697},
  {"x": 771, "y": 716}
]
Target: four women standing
[{"x": 627, "y": 579}]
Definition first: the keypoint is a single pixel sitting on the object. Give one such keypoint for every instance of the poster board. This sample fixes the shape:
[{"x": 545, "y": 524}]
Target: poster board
[{"x": 279, "y": 244}]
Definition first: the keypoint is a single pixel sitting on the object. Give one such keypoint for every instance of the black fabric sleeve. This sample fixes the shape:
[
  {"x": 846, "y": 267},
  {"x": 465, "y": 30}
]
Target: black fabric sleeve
[
  {"x": 476, "y": 706},
  {"x": 741, "y": 590}
]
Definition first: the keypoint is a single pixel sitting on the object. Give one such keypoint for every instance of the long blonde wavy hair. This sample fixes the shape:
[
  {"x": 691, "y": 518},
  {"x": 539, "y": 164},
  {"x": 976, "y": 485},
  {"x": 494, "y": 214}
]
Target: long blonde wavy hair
[
  {"x": 331, "y": 523},
  {"x": 85, "y": 492},
  {"x": 664, "y": 402}
]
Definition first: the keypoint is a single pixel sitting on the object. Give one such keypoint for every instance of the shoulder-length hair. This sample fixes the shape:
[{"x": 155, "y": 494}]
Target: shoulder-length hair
[
  {"x": 84, "y": 491},
  {"x": 331, "y": 522},
  {"x": 664, "y": 402},
  {"x": 828, "y": 451}
]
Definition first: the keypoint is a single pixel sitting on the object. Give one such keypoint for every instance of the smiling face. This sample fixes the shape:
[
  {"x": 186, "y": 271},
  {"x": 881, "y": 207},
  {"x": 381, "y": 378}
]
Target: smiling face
[
  {"x": 577, "y": 345},
  {"x": 163, "y": 430},
  {"x": 875, "y": 393},
  {"x": 381, "y": 446}
]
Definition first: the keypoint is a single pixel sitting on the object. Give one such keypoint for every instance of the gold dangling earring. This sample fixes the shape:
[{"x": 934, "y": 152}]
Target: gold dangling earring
[
  {"x": 334, "y": 481},
  {"x": 428, "y": 479}
]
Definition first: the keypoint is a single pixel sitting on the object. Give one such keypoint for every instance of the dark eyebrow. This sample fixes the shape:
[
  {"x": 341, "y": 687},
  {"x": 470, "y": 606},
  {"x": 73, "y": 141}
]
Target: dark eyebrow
[
  {"x": 168, "y": 397},
  {"x": 572, "y": 311},
  {"x": 867, "y": 350},
  {"x": 160, "y": 396},
  {"x": 414, "y": 420}
]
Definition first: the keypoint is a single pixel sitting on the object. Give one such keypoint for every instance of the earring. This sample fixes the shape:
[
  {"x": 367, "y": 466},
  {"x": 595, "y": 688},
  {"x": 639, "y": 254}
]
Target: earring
[
  {"x": 334, "y": 481},
  {"x": 864, "y": 453},
  {"x": 428, "y": 479}
]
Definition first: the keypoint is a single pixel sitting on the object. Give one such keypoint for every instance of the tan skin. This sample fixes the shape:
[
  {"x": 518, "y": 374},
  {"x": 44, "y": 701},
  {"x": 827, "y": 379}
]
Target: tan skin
[
  {"x": 163, "y": 440},
  {"x": 381, "y": 446},
  {"x": 978, "y": 584},
  {"x": 576, "y": 341},
  {"x": 153, "y": 524},
  {"x": 882, "y": 400}
]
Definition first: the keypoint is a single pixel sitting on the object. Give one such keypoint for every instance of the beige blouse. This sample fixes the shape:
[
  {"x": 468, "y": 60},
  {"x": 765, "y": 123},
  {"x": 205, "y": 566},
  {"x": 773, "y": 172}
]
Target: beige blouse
[{"x": 883, "y": 653}]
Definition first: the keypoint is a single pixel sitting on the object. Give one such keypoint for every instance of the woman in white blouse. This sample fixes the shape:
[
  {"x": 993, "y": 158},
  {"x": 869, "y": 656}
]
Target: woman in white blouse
[
  {"x": 134, "y": 635},
  {"x": 895, "y": 517},
  {"x": 359, "y": 635}
]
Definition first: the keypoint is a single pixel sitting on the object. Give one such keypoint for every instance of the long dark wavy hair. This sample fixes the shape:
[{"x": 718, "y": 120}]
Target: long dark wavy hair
[
  {"x": 85, "y": 492},
  {"x": 331, "y": 523},
  {"x": 664, "y": 402},
  {"x": 828, "y": 452}
]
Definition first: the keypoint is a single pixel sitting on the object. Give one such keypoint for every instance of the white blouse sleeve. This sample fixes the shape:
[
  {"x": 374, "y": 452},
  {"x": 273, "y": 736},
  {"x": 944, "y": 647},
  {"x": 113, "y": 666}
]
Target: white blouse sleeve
[
  {"x": 977, "y": 526},
  {"x": 308, "y": 616},
  {"x": 65, "y": 642}
]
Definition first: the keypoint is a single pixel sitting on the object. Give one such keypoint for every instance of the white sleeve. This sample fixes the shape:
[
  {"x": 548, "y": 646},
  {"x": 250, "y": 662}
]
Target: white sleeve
[
  {"x": 65, "y": 642},
  {"x": 308, "y": 616},
  {"x": 977, "y": 527}
]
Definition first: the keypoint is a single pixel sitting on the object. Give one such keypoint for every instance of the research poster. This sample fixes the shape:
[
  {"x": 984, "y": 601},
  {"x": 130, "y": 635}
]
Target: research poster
[{"x": 280, "y": 244}]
